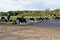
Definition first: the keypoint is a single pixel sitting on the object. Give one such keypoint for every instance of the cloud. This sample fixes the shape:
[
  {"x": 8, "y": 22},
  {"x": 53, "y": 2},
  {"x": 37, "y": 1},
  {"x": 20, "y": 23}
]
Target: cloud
[{"x": 7, "y": 5}]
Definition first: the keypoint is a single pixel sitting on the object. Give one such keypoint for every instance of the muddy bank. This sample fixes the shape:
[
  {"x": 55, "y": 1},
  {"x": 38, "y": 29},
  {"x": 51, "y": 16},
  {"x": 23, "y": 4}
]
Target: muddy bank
[{"x": 28, "y": 33}]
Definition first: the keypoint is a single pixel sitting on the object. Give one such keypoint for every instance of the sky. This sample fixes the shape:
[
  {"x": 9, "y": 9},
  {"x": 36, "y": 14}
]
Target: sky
[{"x": 13, "y": 5}]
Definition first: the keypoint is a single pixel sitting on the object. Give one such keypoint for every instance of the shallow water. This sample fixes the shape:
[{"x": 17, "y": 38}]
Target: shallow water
[{"x": 46, "y": 23}]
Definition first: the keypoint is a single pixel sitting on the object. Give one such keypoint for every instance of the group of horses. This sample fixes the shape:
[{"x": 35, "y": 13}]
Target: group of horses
[
  {"x": 23, "y": 20},
  {"x": 8, "y": 19}
]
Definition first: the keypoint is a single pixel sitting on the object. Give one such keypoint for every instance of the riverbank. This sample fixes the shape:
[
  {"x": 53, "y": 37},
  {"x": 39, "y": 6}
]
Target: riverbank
[{"x": 28, "y": 33}]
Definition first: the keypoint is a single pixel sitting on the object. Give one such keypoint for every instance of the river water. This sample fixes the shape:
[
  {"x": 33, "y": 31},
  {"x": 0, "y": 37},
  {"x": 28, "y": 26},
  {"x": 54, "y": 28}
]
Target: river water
[{"x": 46, "y": 23}]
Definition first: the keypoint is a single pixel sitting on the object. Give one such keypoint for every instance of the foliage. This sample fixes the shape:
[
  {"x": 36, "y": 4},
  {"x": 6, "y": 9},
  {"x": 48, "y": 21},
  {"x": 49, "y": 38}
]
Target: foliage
[{"x": 44, "y": 13}]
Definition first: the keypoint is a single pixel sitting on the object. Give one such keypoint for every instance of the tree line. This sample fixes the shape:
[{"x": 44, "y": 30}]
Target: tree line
[{"x": 55, "y": 12}]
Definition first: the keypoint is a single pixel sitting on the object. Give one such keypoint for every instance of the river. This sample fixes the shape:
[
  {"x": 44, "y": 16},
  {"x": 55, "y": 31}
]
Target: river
[{"x": 46, "y": 23}]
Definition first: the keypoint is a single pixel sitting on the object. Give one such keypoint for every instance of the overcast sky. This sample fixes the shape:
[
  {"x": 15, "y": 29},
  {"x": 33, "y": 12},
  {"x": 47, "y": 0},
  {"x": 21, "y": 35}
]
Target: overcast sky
[{"x": 8, "y": 5}]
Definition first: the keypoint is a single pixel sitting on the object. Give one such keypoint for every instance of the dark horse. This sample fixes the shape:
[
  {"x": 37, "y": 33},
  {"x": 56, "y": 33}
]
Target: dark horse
[
  {"x": 39, "y": 19},
  {"x": 22, "y": 20},
  {"x": 32, "y": 19},
  {"x": 57, "y": 17}
]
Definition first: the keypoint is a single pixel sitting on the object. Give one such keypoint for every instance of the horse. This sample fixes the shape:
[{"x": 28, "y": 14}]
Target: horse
[
  {"x": 39, "y": 19},
  {"x": 57, "y": 17},
  {"x": 21, "y": 20},
  {"x": 46, "y": 18},
  {"x": 32, "y": 19}
]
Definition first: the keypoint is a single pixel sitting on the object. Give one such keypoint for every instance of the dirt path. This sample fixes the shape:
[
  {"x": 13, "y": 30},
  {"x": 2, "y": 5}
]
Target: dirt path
[{"x": 28, "y": 33}]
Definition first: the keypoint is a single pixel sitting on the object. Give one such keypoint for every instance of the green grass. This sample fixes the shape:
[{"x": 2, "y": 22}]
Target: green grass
[
  {"x": 27, "y": 17},
  {"x": 14, "y": 17}
]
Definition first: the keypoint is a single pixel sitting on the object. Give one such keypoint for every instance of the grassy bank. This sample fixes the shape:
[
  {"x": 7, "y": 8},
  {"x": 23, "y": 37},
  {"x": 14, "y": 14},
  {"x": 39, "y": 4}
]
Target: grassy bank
[{"x": 27, "y": 17}]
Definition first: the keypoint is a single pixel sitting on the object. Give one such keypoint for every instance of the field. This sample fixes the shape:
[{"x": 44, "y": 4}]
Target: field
[
  {"x": 27, "y": 17},
  {"x": 15, "y": 32}
]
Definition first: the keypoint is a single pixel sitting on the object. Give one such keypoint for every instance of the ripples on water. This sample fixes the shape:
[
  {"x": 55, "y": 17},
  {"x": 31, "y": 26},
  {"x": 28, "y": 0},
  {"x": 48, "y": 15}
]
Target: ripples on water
[{"x": 46, "y": 23}]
